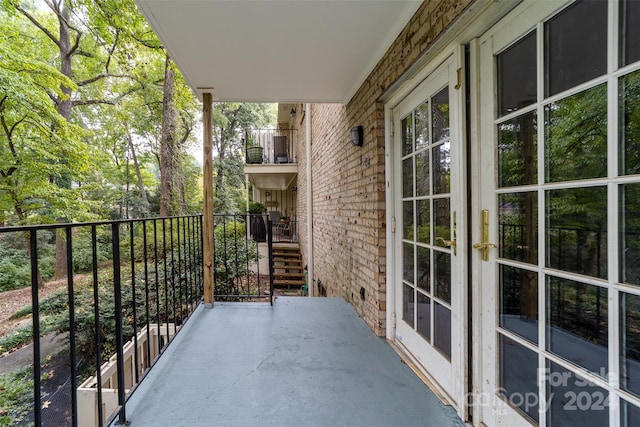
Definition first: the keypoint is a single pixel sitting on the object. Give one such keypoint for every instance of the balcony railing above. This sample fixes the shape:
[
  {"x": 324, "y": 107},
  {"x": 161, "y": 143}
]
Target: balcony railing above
[{"x": 271, "y": 146}]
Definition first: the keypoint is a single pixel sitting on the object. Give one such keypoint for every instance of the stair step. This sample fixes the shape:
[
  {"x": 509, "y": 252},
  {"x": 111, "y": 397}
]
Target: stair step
[
  {"x": 288, "y": 283},
  {"x": 289, "y": 275},
  {"x": 288, "y": 263},
  {"x": 287, "y": 255}
]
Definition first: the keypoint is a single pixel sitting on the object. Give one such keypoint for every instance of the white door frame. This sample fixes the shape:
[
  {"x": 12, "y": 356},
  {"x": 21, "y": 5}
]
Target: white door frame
[{"x": 453, "y": 60}]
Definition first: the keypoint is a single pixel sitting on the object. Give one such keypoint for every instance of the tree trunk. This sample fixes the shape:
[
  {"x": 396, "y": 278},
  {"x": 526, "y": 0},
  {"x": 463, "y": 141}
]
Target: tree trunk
[
  {"x": 27, "y": 235},
  {"x": 136, "y": 165},
  {"x": 64, "y": 109},
  {"x": 167, "y": 144}
]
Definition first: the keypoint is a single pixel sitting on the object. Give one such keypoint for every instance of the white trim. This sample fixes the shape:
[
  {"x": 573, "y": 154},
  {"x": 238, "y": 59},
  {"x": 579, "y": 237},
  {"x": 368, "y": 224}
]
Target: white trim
[{"x": 311, "y": 289}]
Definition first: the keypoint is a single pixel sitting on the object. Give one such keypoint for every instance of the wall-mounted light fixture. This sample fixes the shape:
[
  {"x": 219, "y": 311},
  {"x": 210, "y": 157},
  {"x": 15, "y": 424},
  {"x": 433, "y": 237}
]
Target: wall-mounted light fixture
[
  {"x": 293, "y": 112},
  {"x": 356, "y": 136}
]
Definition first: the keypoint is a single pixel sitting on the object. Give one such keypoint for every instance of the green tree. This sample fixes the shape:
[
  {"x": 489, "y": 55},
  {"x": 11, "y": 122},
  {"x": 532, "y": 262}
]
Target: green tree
[{"x": 232, "y": 123}]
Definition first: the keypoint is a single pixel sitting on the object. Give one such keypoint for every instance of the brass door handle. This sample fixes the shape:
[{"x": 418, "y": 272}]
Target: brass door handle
[
  {"x": 449, "y": 243},
  {"x": 485, "y": 245}
]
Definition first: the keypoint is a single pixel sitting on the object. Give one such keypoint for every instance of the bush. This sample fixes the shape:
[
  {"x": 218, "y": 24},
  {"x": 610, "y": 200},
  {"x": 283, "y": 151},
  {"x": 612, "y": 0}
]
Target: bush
[
  {"x": 16, "y": 397},
  {"x": 15, "y": 264}
]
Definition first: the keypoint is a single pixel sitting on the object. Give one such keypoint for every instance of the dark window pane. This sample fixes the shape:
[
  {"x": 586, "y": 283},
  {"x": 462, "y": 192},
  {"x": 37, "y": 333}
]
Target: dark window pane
[
  {"x": 517, "y": 75},
  {"x": 442, "y": 329},
  {"x": 424, "y": 221},
  {"x": 577, "y": 323},
  {"x": 573, "y": 401},
  {"x": 517, "y": 151},
  {"x": 576, "y": 45},
  {"x": 407, "y": 262},
  {"x": 629, "y": 31},
  {"x": 441, "y": 168},
  {"x": 630, "y": 234},
  {"x": 422, "y": 173},
  {"x": 442, "y": 226},
  {"x": 424, "y": 270},
  {"x": 422, "y": 125},
  {"x": 407, "y": 177},
  {"x": 407, "y": 220},
  {"x": 442, "y": 275},
  {"x": 576, "y": 136},
  {"x": 407, "y": 304},
  {"x": 518, "y": 226},
  {"x": 424, "y": 316},
  {"x": 630, "y": 343},
  {"x": 407, "y": 135},
  {"x": 519, "y": 376},
  {"x": 629, "y": 89},
  {"x": 577, "y": 230},
  {"x": 440, "y": 115},
  {"x": 629, "y": 415},
  {"x": 519, "y": 301}
]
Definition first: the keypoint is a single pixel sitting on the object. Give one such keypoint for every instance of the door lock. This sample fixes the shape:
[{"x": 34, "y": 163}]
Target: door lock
[{"x": 485, "y": 245}]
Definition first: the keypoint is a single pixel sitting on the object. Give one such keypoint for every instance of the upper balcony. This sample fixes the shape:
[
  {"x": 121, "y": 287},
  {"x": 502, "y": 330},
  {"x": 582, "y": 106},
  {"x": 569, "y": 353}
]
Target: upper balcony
[{"x": 271, "y": 158}]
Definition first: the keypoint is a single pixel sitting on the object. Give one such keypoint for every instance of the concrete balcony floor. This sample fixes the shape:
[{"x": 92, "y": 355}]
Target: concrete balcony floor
[{"x": 302, "y": 362}]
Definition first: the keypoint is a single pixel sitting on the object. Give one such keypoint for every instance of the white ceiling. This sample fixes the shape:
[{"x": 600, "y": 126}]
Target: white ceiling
[{"x": 277, "y": 50}]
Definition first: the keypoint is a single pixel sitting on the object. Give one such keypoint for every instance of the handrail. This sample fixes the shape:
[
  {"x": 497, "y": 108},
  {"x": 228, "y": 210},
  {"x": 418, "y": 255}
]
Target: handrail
[{"x": 141, "y": 273}]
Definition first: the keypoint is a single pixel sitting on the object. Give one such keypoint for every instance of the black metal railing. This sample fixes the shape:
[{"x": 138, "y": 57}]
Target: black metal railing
[
  {"x": 130, "y": 286},
  {"x": 271, "y": 146},
  {"x": 242, "y": 266}
]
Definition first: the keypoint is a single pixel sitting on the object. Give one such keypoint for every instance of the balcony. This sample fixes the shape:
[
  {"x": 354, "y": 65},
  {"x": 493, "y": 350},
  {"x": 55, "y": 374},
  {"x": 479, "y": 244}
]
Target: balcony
[
  {"x": 300, "y": 362},
  {"x": 132, "y": 343},
  {"x": 270, "y": 161}
]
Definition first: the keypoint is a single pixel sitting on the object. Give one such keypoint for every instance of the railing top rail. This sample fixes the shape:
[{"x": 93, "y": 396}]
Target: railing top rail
[{"x": 18, "y": 228}]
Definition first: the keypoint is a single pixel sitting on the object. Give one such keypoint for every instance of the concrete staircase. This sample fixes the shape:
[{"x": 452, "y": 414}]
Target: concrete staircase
[{"x": 287, "y": 266}]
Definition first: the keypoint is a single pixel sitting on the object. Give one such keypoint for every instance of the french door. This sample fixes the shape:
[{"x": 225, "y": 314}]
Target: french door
[
  {"x": 429, "y": 214},
  {"x": 559, "y": 169}
]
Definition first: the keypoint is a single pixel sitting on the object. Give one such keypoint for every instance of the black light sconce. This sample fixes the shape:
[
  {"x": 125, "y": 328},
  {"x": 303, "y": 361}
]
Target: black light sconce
[
  {"x": 356, "y": 136},
  {"x": 293, "y": 112}
]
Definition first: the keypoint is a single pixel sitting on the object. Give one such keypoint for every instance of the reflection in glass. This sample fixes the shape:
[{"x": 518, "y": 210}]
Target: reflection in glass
[
  {"x": 407, "y": 177},
  {"x": 577, "y": 230},
  {"x": 407, "y": 304},
  {"x": 573, "y": 401},
  {"x": 424, "y": 316},
  {"x": 517, "y": 75},
  {"x": 576, "y": 45},
  {"x": 422, "y": 126},
  {"x": 629, "y": 414},
  {"x": 518, "y": 226},
  {"x": 442, "y": 276},
  {"x": 442, "y": 329},
  {"x": 407, "y": 135},
  {"x": 630, "y": 234},
  {"x": 517, "y": 151},
  {"x": 629, "y": 89},
  {"x": 629, "y": 31},
  {"x": 576, "y": 136},
  {"x": 407, "y": 262},
  {"x": 441, "y": 168},
  {"x": 519, "y": 376},
  {"x": 424, "y": 221},
  {"x": 577, "y": 323},
  {"x": 407, "y": 220},
  {"x": 630, "y": 343},
  {"x": 519, "y": 301},
  {"x": 424, "y": 271},
  {"x": 422, "y": 173},
  {"x": 440, "y": 115},
  {"x": 442, "y": 221}
]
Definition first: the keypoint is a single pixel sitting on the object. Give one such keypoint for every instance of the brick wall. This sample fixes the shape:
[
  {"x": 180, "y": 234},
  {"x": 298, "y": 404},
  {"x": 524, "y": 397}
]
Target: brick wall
[{"x": 348, "y": 182}]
